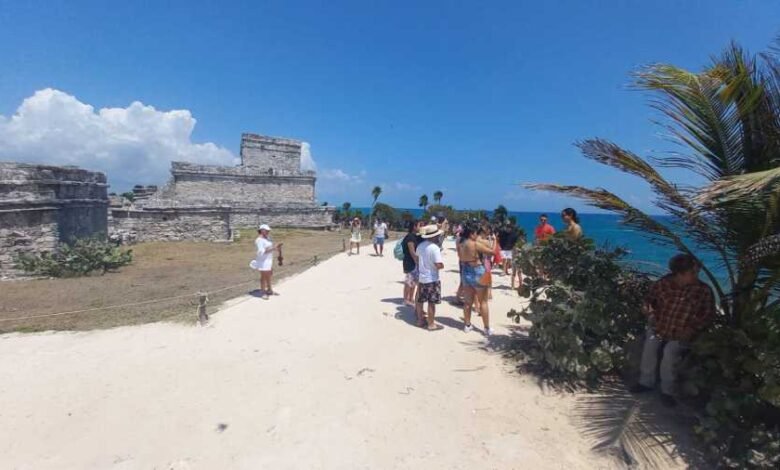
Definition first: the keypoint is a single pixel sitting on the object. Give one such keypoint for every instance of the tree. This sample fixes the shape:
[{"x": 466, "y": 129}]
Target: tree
[
  {"x": 437, "y": 197},
  {"x": 129, "y": 195},
  {"x": 387, "y": 214},
  {"x": 375, "y": 193},
  {"x": 500, "y": 214},
  {"x": 346, "y": 207},
  {"x": 726, "y": 118},
  {"x": 424, "y": 201}
]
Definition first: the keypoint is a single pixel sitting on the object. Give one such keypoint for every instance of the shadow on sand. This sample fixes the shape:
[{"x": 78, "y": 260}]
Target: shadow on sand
[{"x": 636, "y": 430}]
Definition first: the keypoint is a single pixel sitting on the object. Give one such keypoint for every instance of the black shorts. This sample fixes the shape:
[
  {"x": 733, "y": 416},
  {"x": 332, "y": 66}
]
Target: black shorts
[{"x": 430, "y": 292}]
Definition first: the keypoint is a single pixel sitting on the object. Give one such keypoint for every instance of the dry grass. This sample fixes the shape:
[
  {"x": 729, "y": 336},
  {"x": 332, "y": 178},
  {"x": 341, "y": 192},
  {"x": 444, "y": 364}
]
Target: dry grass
[{"x": 159, "y": 270}]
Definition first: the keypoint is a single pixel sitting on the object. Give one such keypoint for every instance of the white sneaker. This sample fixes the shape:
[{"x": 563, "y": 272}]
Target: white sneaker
[
  {"x": 488, "y": 332},
  {"x": 467, "y": 328}
]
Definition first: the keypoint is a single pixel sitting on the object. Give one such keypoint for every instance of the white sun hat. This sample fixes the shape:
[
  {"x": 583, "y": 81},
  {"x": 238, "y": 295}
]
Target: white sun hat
[
  {"x": 265, "y": 227},
  {"x": 430, "y": 231}
]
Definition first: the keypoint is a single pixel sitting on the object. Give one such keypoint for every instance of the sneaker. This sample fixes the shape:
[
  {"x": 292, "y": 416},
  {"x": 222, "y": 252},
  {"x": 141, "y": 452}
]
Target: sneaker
[
  {"x": 467, "y": 328},
  {"x": 488, "y": 332}
]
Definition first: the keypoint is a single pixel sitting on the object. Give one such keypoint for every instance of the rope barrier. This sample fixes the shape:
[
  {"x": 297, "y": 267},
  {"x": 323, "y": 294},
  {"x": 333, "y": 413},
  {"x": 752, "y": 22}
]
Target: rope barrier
[{"x": 313, "y": 261}]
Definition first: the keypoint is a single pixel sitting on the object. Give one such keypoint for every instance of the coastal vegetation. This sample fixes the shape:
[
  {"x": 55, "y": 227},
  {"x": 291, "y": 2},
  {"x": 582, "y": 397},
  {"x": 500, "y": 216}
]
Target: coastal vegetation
[
  {"x": 726, "y": 121},
  {"x": 81, "y": 258}
]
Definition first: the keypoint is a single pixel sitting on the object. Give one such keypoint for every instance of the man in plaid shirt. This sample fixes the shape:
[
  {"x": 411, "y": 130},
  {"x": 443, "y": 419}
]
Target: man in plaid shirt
[{"x": 678, "y": 306}]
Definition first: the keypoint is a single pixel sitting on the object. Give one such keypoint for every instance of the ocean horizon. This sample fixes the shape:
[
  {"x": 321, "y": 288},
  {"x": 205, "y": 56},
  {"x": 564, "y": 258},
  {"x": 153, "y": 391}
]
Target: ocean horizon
[{"x": 607, "y": 230}]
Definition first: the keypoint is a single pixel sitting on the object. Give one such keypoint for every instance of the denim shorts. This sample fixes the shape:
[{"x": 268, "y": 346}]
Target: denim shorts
[{"x": 472, "y": 274}]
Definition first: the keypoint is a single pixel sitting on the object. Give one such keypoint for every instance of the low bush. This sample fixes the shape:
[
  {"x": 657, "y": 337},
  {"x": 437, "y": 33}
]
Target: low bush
[
  {"x": 81, "y": 258},
  {"x": 734, "y": 373},
  {"x": 584, "y": 306}
]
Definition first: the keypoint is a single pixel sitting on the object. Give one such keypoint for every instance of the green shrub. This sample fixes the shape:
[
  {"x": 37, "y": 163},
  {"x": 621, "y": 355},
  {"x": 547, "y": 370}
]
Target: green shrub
[
  {"x": 83, "y": 257},
  {"x": 735, "y": 374},
  {"x": 584, "y": 306}
]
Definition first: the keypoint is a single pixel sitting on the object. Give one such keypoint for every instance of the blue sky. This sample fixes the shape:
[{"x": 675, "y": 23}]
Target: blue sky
[{"x": 465, "y": 97}]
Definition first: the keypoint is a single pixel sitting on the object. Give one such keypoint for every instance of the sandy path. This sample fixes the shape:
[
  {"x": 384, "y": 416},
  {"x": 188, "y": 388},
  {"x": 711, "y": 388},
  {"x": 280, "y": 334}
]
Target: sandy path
[{"x": 327, "y": 375}]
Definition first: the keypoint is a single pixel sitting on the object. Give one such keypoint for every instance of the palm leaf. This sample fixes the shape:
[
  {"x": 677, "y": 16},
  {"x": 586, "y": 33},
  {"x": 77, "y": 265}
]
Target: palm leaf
[
  {"x": 632, "y": 217},
  {"x": 735, "y": 188},
  {"x": 622, "y": 426}
]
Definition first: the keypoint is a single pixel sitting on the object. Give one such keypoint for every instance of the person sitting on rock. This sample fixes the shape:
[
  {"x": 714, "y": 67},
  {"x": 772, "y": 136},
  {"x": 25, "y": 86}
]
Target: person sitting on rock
[{"x": 678, "y": 307}]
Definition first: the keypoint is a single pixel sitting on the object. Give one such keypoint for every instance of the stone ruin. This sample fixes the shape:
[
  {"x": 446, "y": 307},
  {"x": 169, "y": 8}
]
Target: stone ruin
[
  {"x": 42, "y": 206},
  {"x": 208, "y": 202}
]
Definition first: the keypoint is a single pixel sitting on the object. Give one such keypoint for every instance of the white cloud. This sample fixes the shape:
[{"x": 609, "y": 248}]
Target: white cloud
[
  {"x": 132, "y": 145},
  {"x": 339, "y": 175},
  {"x": 405, "y": 186}
]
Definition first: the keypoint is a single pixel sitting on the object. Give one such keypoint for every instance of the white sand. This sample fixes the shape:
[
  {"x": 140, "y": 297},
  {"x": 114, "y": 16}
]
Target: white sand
[{"x": 326, "y": 375}]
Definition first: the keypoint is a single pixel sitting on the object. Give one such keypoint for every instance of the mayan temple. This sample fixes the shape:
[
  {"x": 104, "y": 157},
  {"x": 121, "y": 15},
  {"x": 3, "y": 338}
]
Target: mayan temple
[{"x": 209, "y": 201}]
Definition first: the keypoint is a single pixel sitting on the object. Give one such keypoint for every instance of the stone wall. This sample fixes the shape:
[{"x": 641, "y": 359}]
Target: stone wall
[
  {"x": 171, "y": 224},
  {"x": 262, "y": 152},
  {"x": 42, "y": 206},
  {"x": 317, "y": 217},
  {"x": 203, "y": 188}
]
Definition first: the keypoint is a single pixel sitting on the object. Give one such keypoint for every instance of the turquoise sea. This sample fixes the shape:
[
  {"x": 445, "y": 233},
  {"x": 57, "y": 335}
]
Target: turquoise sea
[{"x": 607, "y": 229}]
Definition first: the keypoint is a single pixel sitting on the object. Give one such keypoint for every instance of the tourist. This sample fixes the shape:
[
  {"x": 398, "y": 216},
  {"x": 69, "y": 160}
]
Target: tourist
[
  {"x": 409, "y": 246},
  {"x": 264, "y": 259},
  {"x": 572, "y": 221},
  {"x": 485, "y": 236},
  {"x": 355, "y": 237},
  {"x": 678, "y": 306},
  {"x": 429, "y": 262},
  {"x": 476, "y": 279},
  {"x": 543, "y": 231},
  {"x": 507, "y": 239},
  {"x": 380, "y": 233}
]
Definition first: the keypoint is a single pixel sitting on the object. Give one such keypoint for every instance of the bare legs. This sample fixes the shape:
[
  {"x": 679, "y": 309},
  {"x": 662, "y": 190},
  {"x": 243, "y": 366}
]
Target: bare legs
[
  {"x": 478, "y": 297},
  {"x": 265, "y": 283},
  {"x": 356, "y": 245},
  {"x": 409, "y": 293}
]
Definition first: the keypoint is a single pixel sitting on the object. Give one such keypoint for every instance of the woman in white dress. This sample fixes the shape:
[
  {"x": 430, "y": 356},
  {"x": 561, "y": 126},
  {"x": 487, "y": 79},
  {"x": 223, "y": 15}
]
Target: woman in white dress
[
  {"x": 264, "y": 260},
  {"x": 355, "y": 238}
]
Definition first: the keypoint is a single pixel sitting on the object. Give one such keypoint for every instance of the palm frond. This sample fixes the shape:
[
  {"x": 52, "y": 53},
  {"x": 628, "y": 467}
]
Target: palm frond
[
  {"x": 767, "y": 247},
  {"x": 735, "y": 188},
  {"x": 632, "y": 217},
  {"x": 628, "y": 429},
  {"x": 701, "y": 120},
  {"x": 673, "y": 199}
]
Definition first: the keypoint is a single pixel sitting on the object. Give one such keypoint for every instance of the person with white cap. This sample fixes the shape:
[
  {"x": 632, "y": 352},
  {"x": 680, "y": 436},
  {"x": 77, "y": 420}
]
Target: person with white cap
[
  {"x": 429, "y": 262},
  {"x": 264, "y": 259}
]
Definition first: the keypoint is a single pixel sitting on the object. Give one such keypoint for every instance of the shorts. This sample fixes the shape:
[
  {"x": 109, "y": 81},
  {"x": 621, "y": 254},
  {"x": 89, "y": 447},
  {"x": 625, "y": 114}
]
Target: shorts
[
  {"x": 472, "y": 274},
  {"x": 506, "y": 254},
  {"x": 355, "y": 238},
  {"x": 411, "y": 278},
  {"x": 379, "y": 240},
  {"x": 429, "y": 292}
]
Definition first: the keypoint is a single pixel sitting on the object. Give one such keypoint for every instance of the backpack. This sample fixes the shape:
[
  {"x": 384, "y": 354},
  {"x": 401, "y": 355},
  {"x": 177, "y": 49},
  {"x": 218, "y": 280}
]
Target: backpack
[{"x": 398, "y": 251}]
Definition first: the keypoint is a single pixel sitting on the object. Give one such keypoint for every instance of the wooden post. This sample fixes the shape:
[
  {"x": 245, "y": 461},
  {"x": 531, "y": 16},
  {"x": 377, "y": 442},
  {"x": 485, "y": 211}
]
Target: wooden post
[
  {"x": 343, "y": 244},
  {"x": 315, "y": 260},
  {"x": 203, "y": 316}
]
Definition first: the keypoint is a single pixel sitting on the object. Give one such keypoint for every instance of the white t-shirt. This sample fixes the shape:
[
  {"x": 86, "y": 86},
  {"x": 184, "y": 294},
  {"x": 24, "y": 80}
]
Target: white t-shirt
[
  {"x": 264, "y": 260},
  {"x": 428, "y": 255},
  {"x": 380, "y": 230}
]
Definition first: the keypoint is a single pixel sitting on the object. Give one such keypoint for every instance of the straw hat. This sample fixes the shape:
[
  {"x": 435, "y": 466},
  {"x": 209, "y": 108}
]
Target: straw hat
[
  {"x": 265, "y": 227},
  {"x": 430, "y": 231}
]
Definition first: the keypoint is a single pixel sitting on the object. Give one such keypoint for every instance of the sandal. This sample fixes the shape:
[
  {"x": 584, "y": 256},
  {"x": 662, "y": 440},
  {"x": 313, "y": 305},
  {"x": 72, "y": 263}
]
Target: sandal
[{"x": 435, "y": 328}]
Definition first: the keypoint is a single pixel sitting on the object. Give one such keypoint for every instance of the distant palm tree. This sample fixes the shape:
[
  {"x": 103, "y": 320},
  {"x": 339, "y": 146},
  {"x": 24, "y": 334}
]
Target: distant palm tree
[
  {"x": 346, "y": 207},
  {"x": 375, "y": 193},
  {"x": 424, "y": 202},
  {"x": 437, "y": 197}
]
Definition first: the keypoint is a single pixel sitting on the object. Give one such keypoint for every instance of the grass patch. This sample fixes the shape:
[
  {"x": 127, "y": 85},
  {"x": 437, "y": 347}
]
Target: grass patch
[{"x": 159, "y": 270}]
